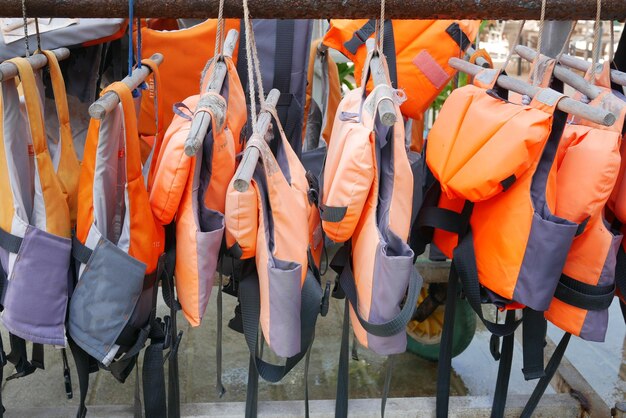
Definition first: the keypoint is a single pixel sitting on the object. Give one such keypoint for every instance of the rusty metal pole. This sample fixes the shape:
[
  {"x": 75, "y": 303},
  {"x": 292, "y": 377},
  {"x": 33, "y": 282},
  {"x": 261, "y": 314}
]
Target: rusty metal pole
[{"x": 322, "y": 9}]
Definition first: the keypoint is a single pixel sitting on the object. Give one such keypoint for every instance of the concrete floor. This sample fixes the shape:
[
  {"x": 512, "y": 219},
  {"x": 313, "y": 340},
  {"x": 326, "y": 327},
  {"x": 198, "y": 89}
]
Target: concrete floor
[{"x": 474, "y": 370}]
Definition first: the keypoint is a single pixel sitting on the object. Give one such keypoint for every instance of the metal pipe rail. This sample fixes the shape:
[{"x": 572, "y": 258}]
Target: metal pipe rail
[
  {"x": 202, "y": 120},
  {"x": 322, "y": 9},
  {"x": 567, "y": 105},
  {"x": 8, "y": 70},
  {"x": 105, "y": 104}
]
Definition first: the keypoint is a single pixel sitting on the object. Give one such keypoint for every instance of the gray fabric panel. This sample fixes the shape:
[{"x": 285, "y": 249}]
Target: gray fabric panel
[
  {"x": 108, "y": 193},
  {"x": 596, "y": 322},
  {"x": 86, "y": 30},
  {"x": 104, "y": 298},
  {"x": 16, "y": 141},
  {"x": 267, "y": 27},
  {"x": 546, "y": 251},
  {"x": 209, "y": 242},
  {"x": 393, "y": 267},
  {"x": 37, "y": 294},
  {"x": 285, "y": 302}
]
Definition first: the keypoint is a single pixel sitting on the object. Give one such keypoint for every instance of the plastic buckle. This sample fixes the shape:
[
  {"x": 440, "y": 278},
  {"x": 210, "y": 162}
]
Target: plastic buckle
[
  {"x": 68, "y": 384},
  {"x": 174, "y": 349},
  {"x": 494, "y": 347},
  {"x": 325, "y": 299},
  {"x": 338, "y": 292}
]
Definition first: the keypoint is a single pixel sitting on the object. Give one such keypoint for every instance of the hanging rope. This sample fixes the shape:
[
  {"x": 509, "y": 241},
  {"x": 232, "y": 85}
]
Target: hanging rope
[
  {"x": 567, "y": 41},
  {"x": 38, "y": 35},
  {"x": 597, "y": 41},
  {"x": 219, "y": 35},
  {"x": 542, "y": 23},
  {"x": 612, "y": 40},
  {"x": 254, "y": 68},
  {"x": 380, "y": 27},
  {"x": 512, "y": 47},
  {"x": 25, "y": 28}
]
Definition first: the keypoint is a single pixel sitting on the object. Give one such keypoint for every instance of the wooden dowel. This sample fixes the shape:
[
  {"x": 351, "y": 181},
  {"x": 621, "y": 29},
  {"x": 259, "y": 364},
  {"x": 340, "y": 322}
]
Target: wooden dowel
[
  {"x": 479, "y": 60},
  {"x": 567, "y": 105},
  {"x": 386, "y": 108},
  {"x": 563, "y": 74},
  {"x": 246, "y": 168},
  {"x": 316, "y": 9},
  {"x": 618, "y": 77},
  {"x": 105, "y": 104},
  {"x": 202, "y": 120},
  {"x": 8, "y": 70}
]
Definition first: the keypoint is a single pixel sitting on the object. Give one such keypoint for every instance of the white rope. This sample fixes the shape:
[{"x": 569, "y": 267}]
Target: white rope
[
  {"x": 254, "y": 68},
  {"x": 595, "y": 51},
  {"x": 219, "y": 35}
]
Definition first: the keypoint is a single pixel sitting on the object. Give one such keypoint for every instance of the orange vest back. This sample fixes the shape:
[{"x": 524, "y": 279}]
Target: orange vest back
[
  {"x": 185, "y": 53},
  {"x": 421, "y": 49}
]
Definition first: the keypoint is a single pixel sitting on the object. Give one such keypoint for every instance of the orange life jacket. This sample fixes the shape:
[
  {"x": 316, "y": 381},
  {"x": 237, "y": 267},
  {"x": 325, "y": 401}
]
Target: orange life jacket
[
  {"x": 185, "y": 53},
  {"x": 417, "y": 50},
  {"x": 38, "y": 184},
  {"x": 368, "y": 200},
  {"x": 330, "y": 95},
  {"x": 192, "y": 190},
  {"x": 588, "y": 163}
]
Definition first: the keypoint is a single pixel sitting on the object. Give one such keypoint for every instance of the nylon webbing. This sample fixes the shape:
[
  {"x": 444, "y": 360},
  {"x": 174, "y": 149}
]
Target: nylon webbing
[
  {"x": 444, "y": 366},
  {"x": 534, "y": 328},
  {"x": 394, "y": 325},
  {"x": 504, "y": 371},
  {"x": 332, "y": 213},
  {"x": 583, "y": 295},
  {"x": 553, "y": 365},
  {"x": 81, "y": 252},
  {"x": 249, "y": 297},
  {"x": 10, "y": 242},
  {"x": 343, "y": 369}
]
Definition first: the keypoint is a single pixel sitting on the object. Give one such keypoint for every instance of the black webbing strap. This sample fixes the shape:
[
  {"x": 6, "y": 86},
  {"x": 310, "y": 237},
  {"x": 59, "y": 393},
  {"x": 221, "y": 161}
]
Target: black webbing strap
[
  {"x": 394, "y": 325},
  {"x": 221, "y": 390},
  {"x": 3, "y": 362},
  {"x": 583, "y": 295},
  {"x": 82, "y": 361},
  {"x": 249, "y": 297},
  {"x": 174, "y": 338},
  {"x": 619, "y": 59},
  {"x": 444, "y": 366},
  {"x": 19, "y": 357},
  {"x": 343, "y": 375},
  {"x": 386, "y": 385},
  {"x": 534, "y": 328},
  {"x": 360, "y": 36},
  {"x": 80, "y": 252},
  {"x": 153, "y": 375},
  {"x": 10, "y": 242},
  {"x": 307, "y": 361},
  {"x": 504, "y": 371},
  {"x": 287, "y": 108},
  {"x": 332, "y": 213},
  {"x": 458, "y": 36},
  {"x": 463, "y": 267},
  {"x": 620, "y": 271},
  {"x": 464, "y": 264},
  {"x": 551, "y": 368},
  {"x": 389, "y": 49}
]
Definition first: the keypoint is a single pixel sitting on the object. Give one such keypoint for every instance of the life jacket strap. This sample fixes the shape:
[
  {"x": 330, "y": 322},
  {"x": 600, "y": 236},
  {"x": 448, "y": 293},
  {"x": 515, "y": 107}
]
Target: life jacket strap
[
  {"x": 10, "y": 242},
  {"x": 583, "y": 295},
  {"x": 534, "y": 328},
  {"x": 457, "y": 34},
  {"x": 504, "y": 371},
  {"x": 553, "y": 365},
  {"x": 80, "y": 252}
]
